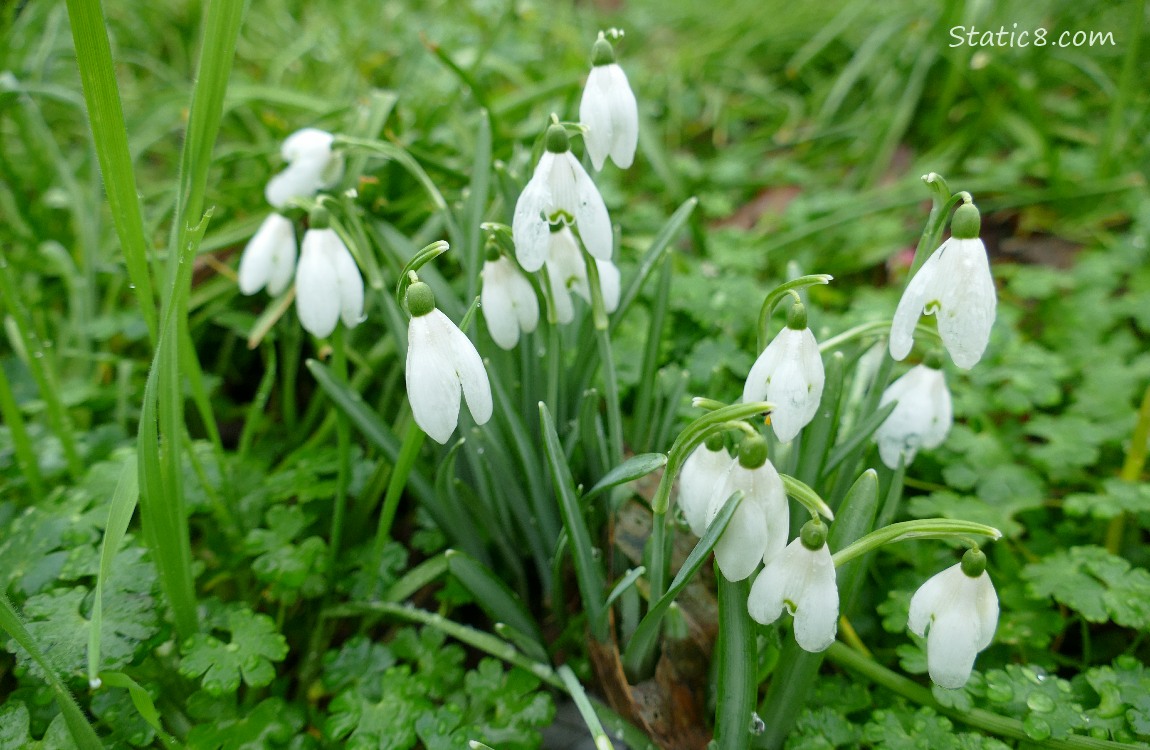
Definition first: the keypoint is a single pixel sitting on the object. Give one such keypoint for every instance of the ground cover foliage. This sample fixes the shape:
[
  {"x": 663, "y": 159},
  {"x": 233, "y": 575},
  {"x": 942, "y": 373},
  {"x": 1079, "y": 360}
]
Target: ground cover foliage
[{"x": 304, "y": 570}]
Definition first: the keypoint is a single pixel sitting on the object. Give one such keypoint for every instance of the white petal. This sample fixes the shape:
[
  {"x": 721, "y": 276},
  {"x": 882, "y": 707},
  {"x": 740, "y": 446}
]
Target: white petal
[
  {"x": 530, "y": 230},
  {"x": 740, "y": 548},
  {"x": 796, "y": 386},
  {"x": 937, "y": 590},
  {"x": 565, "y": 271},
  {"x": 297, "y": 181},
  {"x": 590, "y": 213},
  {"x": 432, "y": 382},
  {"x": 817, "y": 615},
  {"x": 497, "y": 305},
  {"x": 951, "y": 646},
  {"x": 967, "y": 302},
  {"x": 595, "y": 115},
  {"x": 624, "y": 117},
  {"x": 703, "y": 470},
  {"x": 309, "y": 144},
  {"x": 610, "y": 282},
  {"x": 350, "y": 281},
  {"x": 523, "y": 299},
  {"x": 923, "y": 414},
  {"x": 317, "y": 287},
  {"x": 986, "y": 605},
  {"x": 767, "y": 362},
  {"x": 767, "y": 599},
  {"x": 269, "y": 258},
  {"x": 918, "y": 294},
  {"x": 472, "y": 375}
]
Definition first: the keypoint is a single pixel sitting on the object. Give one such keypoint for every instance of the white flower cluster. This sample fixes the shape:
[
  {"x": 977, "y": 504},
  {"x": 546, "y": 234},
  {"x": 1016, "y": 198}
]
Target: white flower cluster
[{"x": 329, "y": 287}]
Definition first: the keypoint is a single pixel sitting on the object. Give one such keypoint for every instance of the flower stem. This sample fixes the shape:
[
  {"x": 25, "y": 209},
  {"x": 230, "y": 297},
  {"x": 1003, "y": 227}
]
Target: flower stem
[
  {"x": 606, "y": 360},
  {"x": 737, "y": 665},
  {"x": 412, "y": 441},
  {"x": 1131, "y": 471},
  {"x": 343, "y": 447}
]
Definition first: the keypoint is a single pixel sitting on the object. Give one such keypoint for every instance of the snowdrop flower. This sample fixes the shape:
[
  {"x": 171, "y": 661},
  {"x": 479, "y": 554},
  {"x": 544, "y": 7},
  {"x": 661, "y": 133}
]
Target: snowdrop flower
[
  {"x": 269, "y": 258},
  {"x": 328, "y": 285},
  {"x": 560, "y": 190},
  {"x": 567, "y": 272},
  {"x": 957, "y": 611},
  {"x": 789, "y": 374},
  {"x": 704, "y": 470},
  {"x": 508, "y": 301},
  {"x": 608, "y": 110},
  {"x": 922, "y": 418},
  {"x": 955, "y": 285},
  {"x": 758, "y": 530},
  {"x": 801, "y": 579},
  {"x": 441, "y": 361},
  {"x": 311, "y": 167}
]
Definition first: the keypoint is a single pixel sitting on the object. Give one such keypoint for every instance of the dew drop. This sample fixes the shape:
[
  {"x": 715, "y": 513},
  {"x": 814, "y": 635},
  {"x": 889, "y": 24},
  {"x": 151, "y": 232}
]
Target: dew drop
[
  {"x": 998, "y": 692},
  {"x": 1035, "y": 728},
  {"x": 1040, "y": 702},
  {"x": 758, "y": 726}
]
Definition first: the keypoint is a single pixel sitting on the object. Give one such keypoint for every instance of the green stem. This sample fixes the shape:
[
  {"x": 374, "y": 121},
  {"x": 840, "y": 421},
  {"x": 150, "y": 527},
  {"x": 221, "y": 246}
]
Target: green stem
[
  {"x": 1131, "y": 471},
  {"x": 343, "y": 447},
  {"x": 978, "y": 718},
  {"x": 923, "y": 528},
  {"x": 1127, "y": 84},
  {"x": 777, "y": 295},
  {"x": 606, "y": 360},
  {"x": 738, "y": 662},
  {"x": 935, "y": 222},
  {"x": 408, "y": 452}
]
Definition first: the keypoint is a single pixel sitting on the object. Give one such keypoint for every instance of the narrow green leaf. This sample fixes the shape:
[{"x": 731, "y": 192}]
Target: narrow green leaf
[
  {"x": 143, "y": 703},
  {"x": 82, "y": 733},
  {"x": 123, "y": 505},
  {"x": 625, "y": 583},
  {"x": 415, "y": 579},
  {"x": 651, "y": 258},
  {"x": 493, "y": 595},
  {"x": 586, "y": 710},
  {"x": 476, "y": 204},
  {"x": 641, "y": 646},
  {"x": 587, "y": 571},
  {"x": 738, "y": 661},
  {"x": 633, "y": 468}
]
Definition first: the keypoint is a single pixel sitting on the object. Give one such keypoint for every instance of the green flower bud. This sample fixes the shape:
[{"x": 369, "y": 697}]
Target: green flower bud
[
  {"x": 974, "y": 562},
  {"x": 814, "y": 534},
  {"x": 753, "y": 452},
  {"x": 933, "y": 360},
  {"x": 557, "y": 141},
  {"x": 714, "y": 442},
  {"x": 602, "y": 53},
  {"x": 420, "y": 299},
  {"x": 319, "y": 218},
  {"x": 966, "y": 222},
  {"x": 491, "y": 250},
  {"x": 797, "y": 317}
]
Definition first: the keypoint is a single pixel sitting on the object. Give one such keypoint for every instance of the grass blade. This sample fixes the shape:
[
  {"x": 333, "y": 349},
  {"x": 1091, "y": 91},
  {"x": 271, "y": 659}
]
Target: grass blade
[
  {"x": 495, "y": 598},
  {"x": 123, "y": 505},
  {"x": 633, "y": 468},
  {"x": 586, "y": 710},
  {"x": 587, "y": 571},
  {"x": 737, "y": 663}
]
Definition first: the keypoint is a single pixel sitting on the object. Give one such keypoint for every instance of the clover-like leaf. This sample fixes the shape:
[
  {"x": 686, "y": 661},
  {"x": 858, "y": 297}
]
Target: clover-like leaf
[
  {"x": 254, "y": 645},
  {"x": 1124, "y": 691},
  {"x": 271, "y": 725},
  {"x": 1114, "y": 498},
  {"x": 1095, "y": 583}
]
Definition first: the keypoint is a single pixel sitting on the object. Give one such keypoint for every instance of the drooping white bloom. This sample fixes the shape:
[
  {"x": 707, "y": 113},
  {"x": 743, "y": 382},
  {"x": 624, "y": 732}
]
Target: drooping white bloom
[
  {"x": 441, "y": 362},
  {"x": 311, "y": 167},
  {"x": 922, "y": 418},
  {"x": 758, "y": 530},
  {"x": 702, "y": 472},
  {"x": 608, "y": 110},
  {"x": 567, "y": 272},
  {"x": 955, "y": 285},
  {"x": 803, "y": 581},
  {"x": 269, "y": 258},
  {"x": 328, "y": 285},
  {"x": 508, "y": 301},
  {"x": 958, "y": 614},
  {"x": 789, "y": 374},
  {"x": 559, "y": 184}
]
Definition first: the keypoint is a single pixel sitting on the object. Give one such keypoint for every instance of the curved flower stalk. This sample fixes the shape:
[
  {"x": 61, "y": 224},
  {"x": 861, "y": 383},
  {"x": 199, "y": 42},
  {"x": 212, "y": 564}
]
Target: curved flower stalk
[
  {"x": 559, "y": 190},
  {"x": 704, "y": 470},
  {"x": 312, "y": 166},
  {"x": 608, "y": 110},
  {"x": 758, "y": 530},
  {"x": 441, "y": 362},
  {"x": 328, "y": 285},
  {"x": 955, "y": 285},
  {"x": 801, "y": 580},
  {"x": 957, "y": 611},
  {"x": 921, "y": 419},
  {"x": 789, "y": 373},
  {"x": 269, "y": 258},
  {"x": 508, "y": 301},
  {"x": 567, "y": 272}
]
